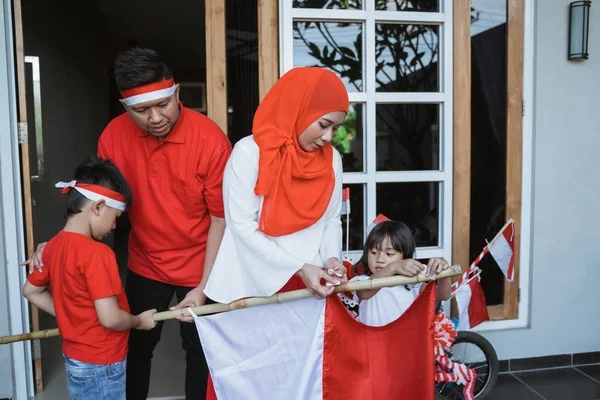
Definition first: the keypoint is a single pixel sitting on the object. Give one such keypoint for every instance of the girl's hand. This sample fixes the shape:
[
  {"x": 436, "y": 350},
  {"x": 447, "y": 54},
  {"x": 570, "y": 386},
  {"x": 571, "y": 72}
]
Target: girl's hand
[
  {"x": 312, "y": 275},
  {"x": 436, "y": 266},
  {"x": 335, "y": 268},
  {"x": 408, "y": 267}
]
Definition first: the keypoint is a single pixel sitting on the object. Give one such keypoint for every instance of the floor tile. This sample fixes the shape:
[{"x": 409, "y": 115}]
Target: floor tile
[
  {"x": 508, "y": 387},
  {"x": 563, "y": 383},
  {"x": 593, "y": 371}
]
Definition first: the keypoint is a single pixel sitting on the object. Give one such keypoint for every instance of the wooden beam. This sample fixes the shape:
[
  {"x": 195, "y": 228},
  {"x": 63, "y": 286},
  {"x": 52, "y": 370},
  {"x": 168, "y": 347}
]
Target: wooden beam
[
  {"x": 461, "y": 181},
  {"x": 25, "y": 170},
  {"x": 216, "y": 63},
  {"x": 514, "y": 142},
  {"x": 461, "y": 174},
  {"x": 268, "y": 45}
]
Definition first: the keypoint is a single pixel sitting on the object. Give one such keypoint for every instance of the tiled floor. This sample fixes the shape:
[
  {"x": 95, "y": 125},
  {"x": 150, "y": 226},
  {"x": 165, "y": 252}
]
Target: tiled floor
[{"x": 578, "y": 383}]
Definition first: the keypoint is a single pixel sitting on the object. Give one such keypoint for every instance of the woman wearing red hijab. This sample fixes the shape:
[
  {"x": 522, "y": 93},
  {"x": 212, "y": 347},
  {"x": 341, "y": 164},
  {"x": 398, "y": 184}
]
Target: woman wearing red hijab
[{"x": 282, "y": 191}]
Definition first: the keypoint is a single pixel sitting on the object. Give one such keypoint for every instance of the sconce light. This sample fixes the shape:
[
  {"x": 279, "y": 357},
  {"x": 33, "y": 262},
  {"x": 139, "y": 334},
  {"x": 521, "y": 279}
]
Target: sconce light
[{"x": 579, "y": 26}]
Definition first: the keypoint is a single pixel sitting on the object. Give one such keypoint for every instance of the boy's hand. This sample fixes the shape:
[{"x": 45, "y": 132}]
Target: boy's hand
[
  {"x": 436, "y": 266},
  {"x": 145, "y": 320},
  {"x": 408, "y": 267}
]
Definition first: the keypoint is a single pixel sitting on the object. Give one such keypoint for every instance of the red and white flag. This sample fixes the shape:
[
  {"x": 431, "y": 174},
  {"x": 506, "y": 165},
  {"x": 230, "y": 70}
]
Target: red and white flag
[
  {"x": 346, "y": 201},
  {"x": 378, "y": 219},
  {"x": 472, "y": 309},
  {"x": 314, "y": 349},
  {"x": 503, "y": 250}
]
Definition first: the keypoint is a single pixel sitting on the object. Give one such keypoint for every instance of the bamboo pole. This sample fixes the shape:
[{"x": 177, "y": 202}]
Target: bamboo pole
[{"x": 367, "y": 284}]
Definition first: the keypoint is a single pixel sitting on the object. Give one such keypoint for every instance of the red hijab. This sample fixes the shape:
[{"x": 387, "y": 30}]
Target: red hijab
[{"x": 297, "y": 185}]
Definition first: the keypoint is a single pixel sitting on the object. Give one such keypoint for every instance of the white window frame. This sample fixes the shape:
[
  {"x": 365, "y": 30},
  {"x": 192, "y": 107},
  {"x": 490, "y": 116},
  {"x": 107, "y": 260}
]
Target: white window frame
[{"x": 369, "y": 17}]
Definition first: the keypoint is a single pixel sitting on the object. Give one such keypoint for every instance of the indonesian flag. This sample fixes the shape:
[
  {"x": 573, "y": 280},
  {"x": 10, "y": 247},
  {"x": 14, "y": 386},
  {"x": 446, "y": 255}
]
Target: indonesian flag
[
  {"x": 346, "y": 201},
  {"x": 502, "y": 249},
  {"x": 314, "y": 349},
  {"x": 472, "y": 309},
  {"x": 378, "y": 219}
]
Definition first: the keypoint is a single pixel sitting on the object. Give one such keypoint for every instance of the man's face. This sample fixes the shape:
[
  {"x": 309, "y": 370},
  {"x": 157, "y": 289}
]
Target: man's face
[{"x": 156, "y": 117}]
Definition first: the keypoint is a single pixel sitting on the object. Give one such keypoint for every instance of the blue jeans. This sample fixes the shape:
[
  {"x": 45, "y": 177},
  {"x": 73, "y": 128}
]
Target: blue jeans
[{"x": 95, "y": 381}]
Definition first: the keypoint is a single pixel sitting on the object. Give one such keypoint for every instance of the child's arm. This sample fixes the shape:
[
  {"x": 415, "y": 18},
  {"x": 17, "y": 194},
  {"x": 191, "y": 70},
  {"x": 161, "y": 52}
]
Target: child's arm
[
  {"x": 408, "y": 267},
  {"x": 40, "y": 297},
  {"x": 112, "y": 317},
  {"x": 444, "y": 286}
]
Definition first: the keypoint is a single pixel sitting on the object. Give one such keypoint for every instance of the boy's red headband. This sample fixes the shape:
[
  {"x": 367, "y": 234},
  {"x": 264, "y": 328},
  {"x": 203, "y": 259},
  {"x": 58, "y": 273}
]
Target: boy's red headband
[{"x": 94, "y": 193}]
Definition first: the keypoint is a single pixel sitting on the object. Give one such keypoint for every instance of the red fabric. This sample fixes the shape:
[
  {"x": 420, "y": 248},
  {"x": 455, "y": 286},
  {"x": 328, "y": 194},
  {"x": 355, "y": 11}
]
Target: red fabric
[
  {"x": 478, "y": 311},
  {"x": 152, "y": 87},
  {"x": 296, "y": 185},
  {"x": 394, "y": 361},
  {"x": 509, "y": 236},
  {"x": 176, "y": 184},
  {"x": 81, "y": 270}
]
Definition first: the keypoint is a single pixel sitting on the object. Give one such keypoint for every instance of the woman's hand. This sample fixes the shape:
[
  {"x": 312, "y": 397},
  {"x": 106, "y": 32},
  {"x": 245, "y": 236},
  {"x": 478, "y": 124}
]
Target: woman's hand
[
  {"x": 36, "y": 260},
  {"x": 335, "y": 268},
  {"x": 311, "y": 275},
  {"x": 407, "y": 267},
  {"x": 436, "y": 266},
  {"x": 194, "y": 298}
]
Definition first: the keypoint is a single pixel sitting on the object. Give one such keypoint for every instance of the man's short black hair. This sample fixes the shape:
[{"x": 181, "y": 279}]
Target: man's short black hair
[
  {"x": 137, "y": 67},
  {"x": 99, "y": 172}
]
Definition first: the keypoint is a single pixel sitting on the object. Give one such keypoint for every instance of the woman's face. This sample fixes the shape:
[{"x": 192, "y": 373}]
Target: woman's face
[{"x": 321, "y": 131}]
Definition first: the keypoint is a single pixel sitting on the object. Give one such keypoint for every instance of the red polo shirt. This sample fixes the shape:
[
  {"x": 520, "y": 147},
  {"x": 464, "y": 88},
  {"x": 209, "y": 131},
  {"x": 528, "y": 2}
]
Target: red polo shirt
[{"x": 176, "y": 184}]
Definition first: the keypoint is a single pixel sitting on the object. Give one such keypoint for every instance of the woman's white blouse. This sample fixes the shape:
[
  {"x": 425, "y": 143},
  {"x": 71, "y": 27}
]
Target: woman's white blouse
[{"x": 250, "y": 263}]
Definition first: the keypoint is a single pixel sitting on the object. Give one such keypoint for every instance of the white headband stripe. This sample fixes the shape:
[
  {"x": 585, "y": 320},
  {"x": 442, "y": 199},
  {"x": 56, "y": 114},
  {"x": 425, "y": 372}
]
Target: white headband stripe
[
  {"x": 93, "y": 196},
  {"x": 155, "y": 95}
]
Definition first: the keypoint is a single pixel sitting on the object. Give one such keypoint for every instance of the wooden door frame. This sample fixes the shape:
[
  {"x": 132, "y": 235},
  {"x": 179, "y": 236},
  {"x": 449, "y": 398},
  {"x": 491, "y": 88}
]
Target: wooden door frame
[
  {"x": 26, "y": 175},
  {"x": 462, "y": 142}
]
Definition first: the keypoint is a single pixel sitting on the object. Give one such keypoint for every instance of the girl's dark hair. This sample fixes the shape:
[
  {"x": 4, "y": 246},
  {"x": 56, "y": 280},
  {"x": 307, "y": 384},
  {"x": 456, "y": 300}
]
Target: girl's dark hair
[
  {"x": 137, "y": 67},
  {"x": 99, "y": 172},
  {"x": 401, "y": 240}
]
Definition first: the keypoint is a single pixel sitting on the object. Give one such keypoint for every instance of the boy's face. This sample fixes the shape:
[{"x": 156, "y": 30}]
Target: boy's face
[
  {"x": 379, "y": 257},
  {"x": 157, "y": 117},
  {"x": 104, "y": 220}
]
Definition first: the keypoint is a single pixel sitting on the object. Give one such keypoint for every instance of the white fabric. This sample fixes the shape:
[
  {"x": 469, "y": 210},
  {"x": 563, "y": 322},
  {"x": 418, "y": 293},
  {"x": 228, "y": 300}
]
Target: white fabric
[
  {"x": 502, "y": 253},
  {"x": 463, "y": 299},
  {"x": 270, "y": 352},
  {"x": 155, "y": 95},
  {"x": 93, "y": 196},
  {"x": 250, "y": 263},
  {"x": 387, "y": 305}
]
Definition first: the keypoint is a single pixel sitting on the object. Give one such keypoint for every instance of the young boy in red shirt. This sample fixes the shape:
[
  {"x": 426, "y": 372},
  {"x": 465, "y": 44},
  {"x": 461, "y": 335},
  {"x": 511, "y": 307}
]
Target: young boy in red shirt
[{"x": 87, "y": 296}]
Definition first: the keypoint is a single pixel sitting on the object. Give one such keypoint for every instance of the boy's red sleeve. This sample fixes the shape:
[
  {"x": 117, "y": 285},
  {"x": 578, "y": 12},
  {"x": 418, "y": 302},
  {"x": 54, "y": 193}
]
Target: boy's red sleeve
[
  {"x": 40, "y": 279},
  {"x": 102, "y": 275}
]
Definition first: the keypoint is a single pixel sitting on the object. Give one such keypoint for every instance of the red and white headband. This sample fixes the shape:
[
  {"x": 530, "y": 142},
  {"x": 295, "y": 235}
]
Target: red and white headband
[
  {"x": 95, "y": 193},
  {"x": 152, "y": 91}
]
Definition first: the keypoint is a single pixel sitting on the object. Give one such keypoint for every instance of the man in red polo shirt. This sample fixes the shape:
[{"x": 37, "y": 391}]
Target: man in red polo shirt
[{"x": 173, "y": 159}]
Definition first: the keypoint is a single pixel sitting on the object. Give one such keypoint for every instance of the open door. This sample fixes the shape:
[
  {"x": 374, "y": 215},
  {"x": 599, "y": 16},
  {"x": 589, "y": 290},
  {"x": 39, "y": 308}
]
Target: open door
[{"x": 26, "y": 174}]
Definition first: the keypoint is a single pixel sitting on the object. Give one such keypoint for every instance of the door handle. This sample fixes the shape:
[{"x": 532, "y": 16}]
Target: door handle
[{"x": 37, "y": 113}]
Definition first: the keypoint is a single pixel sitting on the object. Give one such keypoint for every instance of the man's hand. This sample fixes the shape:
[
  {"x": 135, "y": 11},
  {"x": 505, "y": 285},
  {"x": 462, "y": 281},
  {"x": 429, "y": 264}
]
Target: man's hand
[
  {"x": 194, "y": 298},
  {"x": 36, "y": 260}
]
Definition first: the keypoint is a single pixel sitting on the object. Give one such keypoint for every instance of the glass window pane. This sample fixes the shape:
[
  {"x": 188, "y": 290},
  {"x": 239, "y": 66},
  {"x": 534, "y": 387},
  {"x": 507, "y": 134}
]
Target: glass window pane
[
  {"x": 336, "y": 46},
  {"x": 408, "y": 137},
  {"x": 348, "y": 139},
  {"x": 488, "y": 138},
  {"x": 336, "y": 4},
  {"x": 357, "y": 217},
  {"x": 414, "y": 203},
  {"x": 406, "y": 58},
  {"x": 408, "y": 5}
]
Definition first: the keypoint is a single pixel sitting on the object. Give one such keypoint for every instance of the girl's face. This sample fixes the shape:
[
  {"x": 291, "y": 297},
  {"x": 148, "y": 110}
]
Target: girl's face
[
  {"x": 382, "y": 255},
  {"x": 321, "y": 131}
]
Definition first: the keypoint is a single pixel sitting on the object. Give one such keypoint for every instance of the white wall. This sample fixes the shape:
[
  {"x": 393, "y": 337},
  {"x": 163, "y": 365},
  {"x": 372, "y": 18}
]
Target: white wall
[{"x": 565, "y": 247}]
